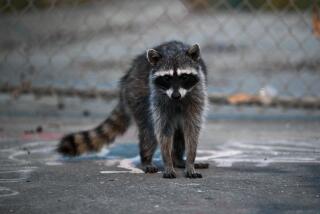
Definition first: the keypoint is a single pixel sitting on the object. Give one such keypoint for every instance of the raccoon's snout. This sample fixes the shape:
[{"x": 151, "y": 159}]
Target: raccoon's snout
[{"x": 176, "y": 95}]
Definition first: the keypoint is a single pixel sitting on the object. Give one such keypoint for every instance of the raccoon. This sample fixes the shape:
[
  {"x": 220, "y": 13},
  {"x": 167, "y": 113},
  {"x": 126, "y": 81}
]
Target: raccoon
[{"x": 164, "y": 92}]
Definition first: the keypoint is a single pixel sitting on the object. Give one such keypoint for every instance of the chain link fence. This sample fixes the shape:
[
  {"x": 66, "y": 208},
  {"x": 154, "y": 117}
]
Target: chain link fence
[{"x": 260, "y": 53}]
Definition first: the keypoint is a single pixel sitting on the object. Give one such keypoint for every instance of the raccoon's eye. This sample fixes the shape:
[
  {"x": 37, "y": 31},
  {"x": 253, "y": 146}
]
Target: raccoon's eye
[
  {"x": 184, "y": 77},
  {"x": 163, "y": 82},
  {"x": 188, "y": 80},
  {"x": 166, "y": 78}
]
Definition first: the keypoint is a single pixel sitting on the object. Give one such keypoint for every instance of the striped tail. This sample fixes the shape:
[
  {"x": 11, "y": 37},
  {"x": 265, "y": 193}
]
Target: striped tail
[{"x": 93, "y": 140}]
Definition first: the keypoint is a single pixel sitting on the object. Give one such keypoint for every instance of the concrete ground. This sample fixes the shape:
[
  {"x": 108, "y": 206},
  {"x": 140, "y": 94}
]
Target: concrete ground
[{"x": 256, "y": 166}]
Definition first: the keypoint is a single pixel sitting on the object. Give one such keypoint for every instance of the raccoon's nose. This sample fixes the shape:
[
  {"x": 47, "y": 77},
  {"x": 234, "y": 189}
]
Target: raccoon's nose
[{"x": 176, "y": 95}]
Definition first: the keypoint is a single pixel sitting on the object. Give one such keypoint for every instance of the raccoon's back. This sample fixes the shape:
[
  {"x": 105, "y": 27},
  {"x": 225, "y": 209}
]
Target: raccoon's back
[{"x": 135, "y": 84}]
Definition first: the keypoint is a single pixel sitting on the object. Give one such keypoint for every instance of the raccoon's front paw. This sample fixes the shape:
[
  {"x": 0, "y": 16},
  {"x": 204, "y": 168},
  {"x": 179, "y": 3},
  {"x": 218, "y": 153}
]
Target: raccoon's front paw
[
  {"x": 169, "y": 173},
  {"x": 182, "y": 164},
  {"x": 192, "y": 174},
  {"x": 150, "y": 168}
]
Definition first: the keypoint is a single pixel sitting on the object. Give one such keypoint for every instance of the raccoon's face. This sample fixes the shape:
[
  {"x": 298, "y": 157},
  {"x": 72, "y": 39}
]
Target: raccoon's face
[
  {"x": 176, "y": 86},
  {"x": 175, "y": 76}
]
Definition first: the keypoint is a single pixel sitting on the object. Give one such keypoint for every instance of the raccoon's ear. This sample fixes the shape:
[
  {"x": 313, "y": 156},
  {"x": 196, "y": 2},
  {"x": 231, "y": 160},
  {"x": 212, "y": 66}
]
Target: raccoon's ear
[
  {"x": 194, "y": 52},
  {"x": 153, "y": 56}
]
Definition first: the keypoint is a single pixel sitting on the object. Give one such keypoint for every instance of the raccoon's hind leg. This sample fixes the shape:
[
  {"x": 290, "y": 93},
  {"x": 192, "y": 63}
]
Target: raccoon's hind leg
[
  {"x": 148, "y": 145},
  {"x": 179, "y": 150}
]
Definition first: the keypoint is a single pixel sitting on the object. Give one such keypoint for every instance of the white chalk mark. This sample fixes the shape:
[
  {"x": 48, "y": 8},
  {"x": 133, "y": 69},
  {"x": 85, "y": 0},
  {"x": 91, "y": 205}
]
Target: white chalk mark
[
  {"x": 21, "y": 154},
  {"x": 114, "y": 172},
  {"x": 53, "y": 163},
  {"x": 127, "y": 164},
  {"x": 210, "y": 155},
  {"x": 262, "y": 154},
  {"x": 6, "y": 192},
  {"x": 186, "y": 184},
  {"x": 259, "y": 154},
  {"x": 15, "y": 175}
]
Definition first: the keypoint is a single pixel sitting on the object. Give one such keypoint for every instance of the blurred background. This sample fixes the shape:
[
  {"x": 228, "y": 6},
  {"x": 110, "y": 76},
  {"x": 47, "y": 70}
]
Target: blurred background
[{"x": 68, "y": 55}]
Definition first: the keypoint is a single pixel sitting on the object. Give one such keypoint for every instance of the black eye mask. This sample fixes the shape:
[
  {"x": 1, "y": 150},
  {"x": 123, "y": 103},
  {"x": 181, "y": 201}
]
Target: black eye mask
[
  {"x": 163, "y": 82},
  {"x": 187, "y": 81}
]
